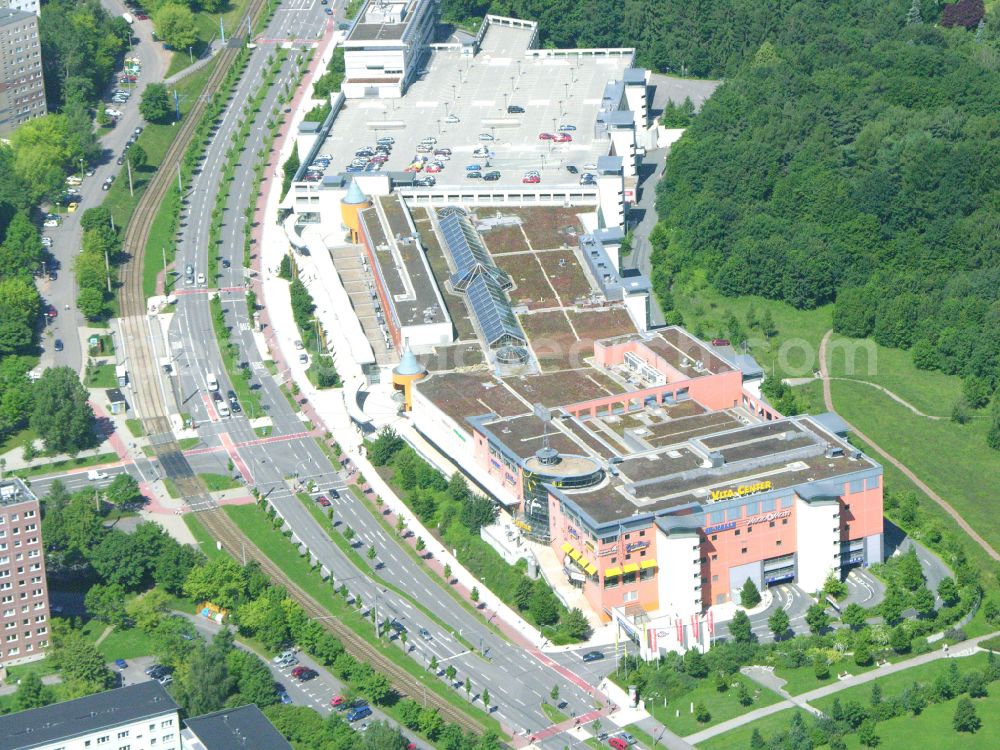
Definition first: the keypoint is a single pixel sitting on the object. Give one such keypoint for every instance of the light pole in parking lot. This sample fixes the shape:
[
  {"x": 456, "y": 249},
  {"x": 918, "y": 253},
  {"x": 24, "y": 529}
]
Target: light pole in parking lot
[{"x": 454, "y": 91}]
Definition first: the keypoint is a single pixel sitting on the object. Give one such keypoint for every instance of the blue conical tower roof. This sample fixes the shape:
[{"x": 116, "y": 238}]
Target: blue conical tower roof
[
  {"x": 354, "y": 195},
  {"x": 408, "y": 363}
]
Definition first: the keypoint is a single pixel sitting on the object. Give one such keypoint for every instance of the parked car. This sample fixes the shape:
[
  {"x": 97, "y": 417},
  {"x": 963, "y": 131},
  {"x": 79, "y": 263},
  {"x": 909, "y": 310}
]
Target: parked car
[
  {"x": 545, "y": 136},
  {"x": 618, "y": 743},
  {"x": 567, "y": 127},
  {"x": 426, "y": 181},
  {"x": 486, "y": 137},
  {"x": 121, "y": 663},
  {"x": 513, "y": 109},
  {"x": 491, "y": 176},
  {"x": 303, "y": 358},
  {"x": 286, "y": 654},
  {"x": 337, "y": 701},
  {"x": 361, "y": 712},
  {"x": 57, "y": 345},
  {"x": 298, "y": 670},
  {"x": 572, "y": 169},
  {"x": 628, "y": 738},
  {"x": 563, "y": 138},
  {"x": 452, "y": 118},
  {"x": 473, "y": 175},
  {"x": 473, "y": 167},
  {"x": 531, "y": 179},
  {"x": 307, "y": 674},
  {"x": 386, "y": 139}
]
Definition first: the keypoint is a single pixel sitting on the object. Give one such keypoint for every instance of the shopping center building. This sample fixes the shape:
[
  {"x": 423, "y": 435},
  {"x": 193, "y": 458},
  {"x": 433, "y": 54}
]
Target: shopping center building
[{"x": 668, "y": 484}]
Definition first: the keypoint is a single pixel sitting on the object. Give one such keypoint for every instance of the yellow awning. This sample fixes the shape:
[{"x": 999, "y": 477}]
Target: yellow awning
[
  {"x": 612, "y": 572},
  {"x": 590, "y": 568},
  {"x": 566, "y": 547},
  {"x": 631, "y": 568},
  {"x": 575, "y": 555},
  {"x": 646, "y": 564}
]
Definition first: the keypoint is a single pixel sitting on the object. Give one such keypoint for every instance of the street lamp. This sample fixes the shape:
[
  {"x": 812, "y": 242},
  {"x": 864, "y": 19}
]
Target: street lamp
[{"x": 454, "y": 91}]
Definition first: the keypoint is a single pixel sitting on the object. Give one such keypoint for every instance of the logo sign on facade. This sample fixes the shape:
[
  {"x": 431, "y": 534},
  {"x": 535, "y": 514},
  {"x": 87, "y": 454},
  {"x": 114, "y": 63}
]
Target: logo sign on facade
[
  {"x": 768, "y": 517},
  {"x": 741, "y": 491},
  {"x": 635, "y": 546},
  {"x": 573, "y": 532},
  {"x": 612, "y": 550},
  {"x": 720, "y": 527}
]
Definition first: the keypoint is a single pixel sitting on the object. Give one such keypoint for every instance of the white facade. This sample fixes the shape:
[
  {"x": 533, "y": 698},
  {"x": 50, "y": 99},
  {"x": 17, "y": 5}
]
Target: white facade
[
  {"x": 160, "y": 732},
  {"x": 383, "y": 48},
  {"x": 819, "y": 522},
  {"x": 679, "y": 593},
  {"x": 28, "y": 6}
]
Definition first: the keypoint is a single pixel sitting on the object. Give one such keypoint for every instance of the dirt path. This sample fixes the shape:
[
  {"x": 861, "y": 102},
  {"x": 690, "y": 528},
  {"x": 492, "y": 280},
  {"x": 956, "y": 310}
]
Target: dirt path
[{"x": 828, "y": 401}]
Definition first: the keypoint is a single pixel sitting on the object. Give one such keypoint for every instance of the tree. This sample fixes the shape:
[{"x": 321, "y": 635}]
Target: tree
[
  {"x": 137, "y": 156},
  {"x": 474, "y": 594},
  {"x": 854, "y": 616},
  {"x": 123, "y": 490},
  {"x": 81, "y": 664},
  {"x": 31, "y": 693},
  {"x": 433, "y": 664},
  {"x": 42, "y": 152},
  {"x": 862, "y": 654},
  {"x": 447, "y": 572},
  {"x": 62, "y": 418},
  {"x": 893, "y": 604},
  {"x": 118, "y": 559},
  {"x": 485, "y": 698},
  {"x": 450, "y": 672},
  {"x": 107, "y": 603},
  {"x": 821, "y": 667},
  {"x": 205, "y": 684},
  {"x": 965, "y": 718},
  {"x": 19, "y": 308},
  {"x": 575, "y": 624},
  {"x": 867, "y": 734},
  {"x": 743, "y": 695},
  {"x": 701, "y": 713},
  {"x": 993, "y": 434},
  {"x": 372, "y": 552},
  {"x": 913, "y": 15},
  {"x": 477, "y": 511},
  {"x": 695, "y": 664},
  {"x": 90, "y": 301},
  {"x": 421, "y": 545},
  {"x": 948, "y": 591},
  {"x": 757, "y": 740},
  {"x": 378, "y": 688},
  {"x": 721, "y": 683},
  {"x": 148, "y": 610},
  {"x": 544, "y": 607},
  {"x": 382, "y": 736},
  {"x": 175, "y": 25},
  {"x": 899, "y": 639},
  {"x": 155, "y": 104},
  {"x": 173, "y": 565},
  {"x": 923, "y": 601},
  {"x": 740, "y": 628},
  {"x": 817, "y": 619},
  {"x": 554, "y": 693},
  {"x": 749, "y": 594},
  {"x": 834, "y": 587},
  {"x": 21, "y": 251},
  {"x": 778, "y": 623}
]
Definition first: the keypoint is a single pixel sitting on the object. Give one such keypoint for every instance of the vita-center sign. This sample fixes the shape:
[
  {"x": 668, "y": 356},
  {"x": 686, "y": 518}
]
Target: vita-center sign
[{"x": 742, "y": 491}]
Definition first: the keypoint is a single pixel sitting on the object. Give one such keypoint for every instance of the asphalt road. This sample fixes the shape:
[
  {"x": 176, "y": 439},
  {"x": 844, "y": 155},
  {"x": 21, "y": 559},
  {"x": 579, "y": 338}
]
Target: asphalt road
[{"x": 66, "y": 238}]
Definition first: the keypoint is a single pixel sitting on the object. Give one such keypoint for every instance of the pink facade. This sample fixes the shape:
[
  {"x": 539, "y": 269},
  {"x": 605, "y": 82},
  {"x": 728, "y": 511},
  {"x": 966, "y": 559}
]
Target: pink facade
[
  {"x": 633, "y": 547},
  {"x": 508, "y": 474}
]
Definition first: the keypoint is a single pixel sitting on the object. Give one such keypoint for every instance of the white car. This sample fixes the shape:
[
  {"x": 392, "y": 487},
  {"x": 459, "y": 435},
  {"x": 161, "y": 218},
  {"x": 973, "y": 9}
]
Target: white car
[
  {"x": 486, "y": 137},
  {"x": 95, "y": 475},
  {"x": 303, "y": 358},
  {"x": 590, "y": 166},
  {"x": 452, "y": 118},
  {"x": 201, "y": 278},
  {"x": 51, "y": 223},
  {"x": 47, "y": 241}
]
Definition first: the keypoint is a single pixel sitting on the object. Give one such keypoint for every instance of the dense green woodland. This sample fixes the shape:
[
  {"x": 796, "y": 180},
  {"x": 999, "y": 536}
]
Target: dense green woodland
[{"x": 859, "y": 166}]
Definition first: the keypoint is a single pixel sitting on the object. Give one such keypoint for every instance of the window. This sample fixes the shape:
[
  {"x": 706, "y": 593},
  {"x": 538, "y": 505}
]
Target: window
[
  {"x": 715, "y": 579},
  {"x": 743, "y": 551},
  {"x": 715, "y": 537},
  {"x": 715, "y": 557},
  {"x": 123, "y": 735},
  {"x": 630, "y": 596},
  {"x": 771, "y": 524},
  {"x": 777, "y": 543},
  {"x": 858, "y": 485},
  {"x": 102, "y": 740},
  {"x": 784, "y": 521},
  {"x": 642, "y": 533},
  {"x": 737, "y": 532}
]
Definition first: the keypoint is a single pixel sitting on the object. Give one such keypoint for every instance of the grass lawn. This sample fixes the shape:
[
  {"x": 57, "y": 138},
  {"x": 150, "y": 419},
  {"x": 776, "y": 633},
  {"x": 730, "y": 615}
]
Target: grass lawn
[
  {"x": 125, "y": 644},
  {"x": 929, "y": 391},
  {"x": 894, "y": 684},
  {"x": 41, "y": 668},
  {"x": 722, "y": 706},
  {"x": 102, "y": 376},
  {"x": 260, "y": 530},
  {"x": 953, "y": 459},
  {"x": 171, "y": 488},
  {"x": 555, "y": 715},
  {"x": 803, "y": 679},
  {"x": 644, "y": 737},
  {"x": 207, "y": 27},
  {"x": 205, "y": 541},
  {"x": 155, "y": 139},
  {"x": 219, "y": 482},
  {"x": 135, "y": 427},
  {"x": 739, "y": 739},
  {"x": 58, "y": 467},
  {"x": 792, "y": 352},
  {"x": 933, "y": 727},
  {"x": 19, "y": 440}
]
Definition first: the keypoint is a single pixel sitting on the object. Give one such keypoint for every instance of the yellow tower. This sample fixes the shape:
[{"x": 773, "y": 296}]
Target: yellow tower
[
  {"x": 405, "y": 374},
  {"x": 351, "y": 205}
]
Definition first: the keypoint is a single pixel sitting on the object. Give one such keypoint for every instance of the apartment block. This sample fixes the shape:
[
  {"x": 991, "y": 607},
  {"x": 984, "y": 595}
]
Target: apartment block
[
  {"x": 24, "y": 598},
  {"x": 22, "y": 87}
]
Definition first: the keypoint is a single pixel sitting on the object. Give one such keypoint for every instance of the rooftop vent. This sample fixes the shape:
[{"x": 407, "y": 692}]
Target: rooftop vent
[{"x": 547, "y": 456}]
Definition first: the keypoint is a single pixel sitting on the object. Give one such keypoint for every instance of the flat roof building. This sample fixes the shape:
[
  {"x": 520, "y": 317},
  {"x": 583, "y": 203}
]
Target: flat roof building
[
  {"x": 667, "y": 482},
  {"x": 232, "y": 729},
  {"x": 22, "y": 87},
  {"x": 142, "y": 716},
  {"x": 24, "y": 599}
]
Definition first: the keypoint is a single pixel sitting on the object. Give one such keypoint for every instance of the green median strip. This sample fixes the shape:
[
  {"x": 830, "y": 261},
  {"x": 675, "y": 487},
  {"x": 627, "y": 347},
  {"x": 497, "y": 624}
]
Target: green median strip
[
  {"x": 366, "y": 567},
  {"x": 58, "y": 467}
]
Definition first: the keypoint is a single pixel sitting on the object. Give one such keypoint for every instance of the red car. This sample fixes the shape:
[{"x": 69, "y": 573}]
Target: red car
[
  {"x": 51, "y": 311},
  {"x": 323, "y": 501},
  {"x": 297, "y": 671},
  {"x": 618, "y": 743},
  {"x": 142, "y": 16},
  {"x": 546, "y": 137},
  {"x": 337, "y": 700},
  {"x": 531, "y": 179},
  {"x": 563, "y": 138}
]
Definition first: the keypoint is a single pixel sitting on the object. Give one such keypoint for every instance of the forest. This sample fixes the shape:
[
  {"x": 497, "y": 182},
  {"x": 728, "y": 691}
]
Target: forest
[{"x": 858, "y": 166}]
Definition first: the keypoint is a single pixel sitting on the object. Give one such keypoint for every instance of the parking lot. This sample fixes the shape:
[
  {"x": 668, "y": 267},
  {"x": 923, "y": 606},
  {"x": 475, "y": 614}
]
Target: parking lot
[{"x": 477, "y": 93}]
